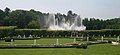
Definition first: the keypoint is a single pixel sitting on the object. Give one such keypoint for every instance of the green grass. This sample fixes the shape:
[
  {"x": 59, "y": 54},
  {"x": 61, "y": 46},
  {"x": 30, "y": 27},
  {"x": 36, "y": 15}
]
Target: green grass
[
  {"x": 41, "y": 41},
  {"x": 99, "y": 49}
]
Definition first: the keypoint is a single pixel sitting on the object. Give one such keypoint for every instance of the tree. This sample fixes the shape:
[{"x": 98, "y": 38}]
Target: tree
[
  {"x": 34, "y": 24},
  {"x": 7, "y": 11},
  {"x": 37, "y": 19},
  {"x": 2, "y": 15}
]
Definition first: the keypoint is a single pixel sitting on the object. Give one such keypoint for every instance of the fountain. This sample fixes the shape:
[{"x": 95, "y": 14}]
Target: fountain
[
  {"x": 24, "y": 36},
  {"x": 57, "y": 42},
  {"x": 19, "y": 36},
  {"x": 53, "y": 23},
  {"x": 74, "y": 40},
  {"x": 30, "y": 36},
  {"x": 87, "y": 38},
  {"x": 102, "y": 38},
  {"x": 118, "y": 38},
  {"x": 11, "y": 41},
  {"x": 34, "y": 41}
]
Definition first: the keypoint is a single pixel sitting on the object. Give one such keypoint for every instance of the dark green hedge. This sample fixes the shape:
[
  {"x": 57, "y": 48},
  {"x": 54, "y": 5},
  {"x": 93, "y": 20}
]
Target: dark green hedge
[
  {"x": 104, "y": 32},
  {"x": 50, "y": 33},
  {"x": 42, "y": 33},
  {"x": 7, "y": 31}
]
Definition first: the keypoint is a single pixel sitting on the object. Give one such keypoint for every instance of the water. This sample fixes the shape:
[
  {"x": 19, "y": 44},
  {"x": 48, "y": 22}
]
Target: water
[
  {"x": 57, "y": 42},
  {"x": 102, "y": 38},
  {"x": 53, "y": 23},
  {"x": 87, "y": 38},
  {"x": 34, "y": 41},
  {"x": 118, "y": 38},
  {"x": 74, "y": 40},
  {"x": 11, "y": 41}
]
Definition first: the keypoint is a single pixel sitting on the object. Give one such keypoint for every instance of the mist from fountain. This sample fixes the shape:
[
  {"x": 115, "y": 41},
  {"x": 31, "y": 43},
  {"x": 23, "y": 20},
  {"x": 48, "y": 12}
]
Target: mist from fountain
[{"x": 53, "y": 24}]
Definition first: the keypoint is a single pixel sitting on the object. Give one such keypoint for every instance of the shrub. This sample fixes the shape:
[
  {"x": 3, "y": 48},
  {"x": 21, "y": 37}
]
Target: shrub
[
  {"x": 84, "y": 46},
  {"x": 6, "y": 31}
]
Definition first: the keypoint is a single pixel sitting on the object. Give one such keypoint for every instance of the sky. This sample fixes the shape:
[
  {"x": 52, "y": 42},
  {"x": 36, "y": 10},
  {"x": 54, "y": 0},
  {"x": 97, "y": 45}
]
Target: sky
[{"x": 101, "y": 9}]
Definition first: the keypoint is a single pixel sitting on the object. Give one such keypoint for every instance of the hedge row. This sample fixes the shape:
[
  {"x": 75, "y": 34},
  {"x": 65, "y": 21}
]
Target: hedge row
[
  {"x": 104, "y": 32},
  {"x": 42, "y": 33},
  {"x": 50, "y": 33},
  {"x": 6, "y": 31}
]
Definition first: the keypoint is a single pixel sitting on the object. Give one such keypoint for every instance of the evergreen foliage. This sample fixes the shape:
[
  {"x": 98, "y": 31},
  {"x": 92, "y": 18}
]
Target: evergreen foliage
[{"x": 37, "y": 19}]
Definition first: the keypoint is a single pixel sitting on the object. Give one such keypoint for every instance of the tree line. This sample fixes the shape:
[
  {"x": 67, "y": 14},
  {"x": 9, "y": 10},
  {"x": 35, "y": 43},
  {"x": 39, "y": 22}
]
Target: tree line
[
  {"x": 98, "y": 24},
  {"x": 36, "y": 19}
]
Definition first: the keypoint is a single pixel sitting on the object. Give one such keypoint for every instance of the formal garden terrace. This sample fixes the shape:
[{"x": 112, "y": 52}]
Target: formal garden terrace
[
  {"x": 67, "y": 42},
  {"x": 13, "y": 37},
  {"x": 60, "y": 27}
]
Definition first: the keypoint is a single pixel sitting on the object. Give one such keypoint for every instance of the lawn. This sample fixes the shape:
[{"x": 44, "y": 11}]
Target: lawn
[
  {"x": 41, "y": 41},
  {"x": 99, "y": 49}
]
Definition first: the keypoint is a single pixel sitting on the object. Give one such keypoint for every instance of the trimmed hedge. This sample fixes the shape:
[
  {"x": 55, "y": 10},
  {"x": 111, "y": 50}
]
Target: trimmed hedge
[
  {"x": 42, "y": 33},
  {"x": 60, "y": 33},
  {"x": 103, "y": 32},
  {"x": 7, "y": 31}
]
